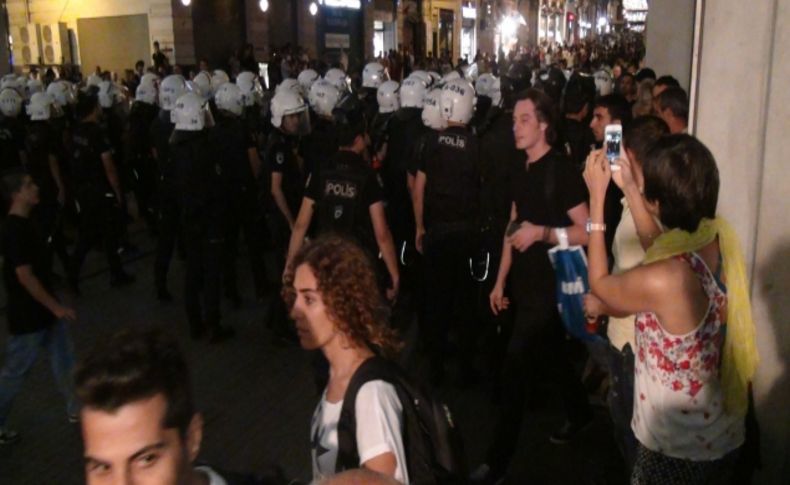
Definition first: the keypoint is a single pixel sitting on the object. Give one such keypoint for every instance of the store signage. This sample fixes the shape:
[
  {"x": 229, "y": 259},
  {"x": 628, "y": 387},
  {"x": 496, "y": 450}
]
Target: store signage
[
  {"x": 469, "y": 13},
  {"x": 337, "y": 41},
  {"x": 355, "y": 4}
]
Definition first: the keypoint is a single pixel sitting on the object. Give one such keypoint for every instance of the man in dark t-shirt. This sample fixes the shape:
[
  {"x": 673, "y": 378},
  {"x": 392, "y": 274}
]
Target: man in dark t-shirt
[{"x": 35, "y": 316}]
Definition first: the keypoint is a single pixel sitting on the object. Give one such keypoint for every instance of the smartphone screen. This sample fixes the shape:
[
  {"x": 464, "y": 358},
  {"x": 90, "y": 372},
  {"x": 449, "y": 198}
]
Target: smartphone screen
[{"x": 613, "y": 137}]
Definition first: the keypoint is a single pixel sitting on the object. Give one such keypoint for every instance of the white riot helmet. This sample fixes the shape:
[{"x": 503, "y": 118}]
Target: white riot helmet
[
  {"x": 191, "y": 113},
  {"x": 422, "y": 76},
  {"x": 251, "y": 90},
  {"x": 287, "y": 103},
  {"x": 323, "y": 97},
  {"x": 388, "y": 97},
  {"x": 10, "y": 102},
  {"x": 171, "y": 89},
  {"x": 603, "y": 82},
  {"x": 451, "y": 76},
  {"x": 489, "y": 85},
  {"x": 228, "y": 98},
  {"x": 338, "y": 78},
  {"x": 146, "y": 93},
  {"x": 432, "y": 111},
  {"x": 40, "y": 107},
  {"x": 32, "y": 87},
  {"x": 201, "y": 85},
  {"x": 471, "y": 72},
  {"x": 435, "y": 77},
  {"x": 290, "y": 85},
  {"x": 149, "y": 78},
  {"x": 109, "y": 94},
  {"x": 458, "y": 101},
  {"x": 219, "y": 78},
  {"x": 61, "y": 93},
  {"x": 306, "y": 79},
  {"x": 373, "y": 75},
  {"x": 412, "y": 93},
  {"x": 93, "y": 80}
]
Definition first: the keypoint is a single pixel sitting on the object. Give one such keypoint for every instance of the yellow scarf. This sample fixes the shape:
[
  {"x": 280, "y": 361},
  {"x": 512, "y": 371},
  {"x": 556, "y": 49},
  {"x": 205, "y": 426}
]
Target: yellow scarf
[{"x": 740, "y": 359}]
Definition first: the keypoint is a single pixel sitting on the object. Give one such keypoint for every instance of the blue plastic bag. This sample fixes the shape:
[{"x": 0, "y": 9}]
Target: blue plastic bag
[{"x": 570, "y": 269}]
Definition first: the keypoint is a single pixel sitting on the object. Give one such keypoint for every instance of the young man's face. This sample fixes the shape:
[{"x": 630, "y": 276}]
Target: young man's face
[
  {"x": 28, "y": 192},
  {"x": 313, "y": 325},
  {"x": 600, "y": 119},
  {"x": 527, "y": 129},
  {"x": 132, "y": 445}
]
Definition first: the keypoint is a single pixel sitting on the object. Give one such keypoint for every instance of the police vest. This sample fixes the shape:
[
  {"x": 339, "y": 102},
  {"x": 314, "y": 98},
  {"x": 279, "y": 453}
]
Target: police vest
[
  {"x": 340, "y": 208},
  {"x": 452, "y": 190}
]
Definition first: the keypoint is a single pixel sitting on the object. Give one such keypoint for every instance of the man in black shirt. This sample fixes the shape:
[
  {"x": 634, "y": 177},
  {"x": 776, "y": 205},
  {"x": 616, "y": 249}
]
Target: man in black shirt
[
  {"x": 577, "y": 104},
  {"x": 12, "y": 130},
  {"x": 35, "y": 316},
  {"x": 548, "y": 205},
  {"x": 446, "y": 199},
  {"x": 97, "y": 193}
]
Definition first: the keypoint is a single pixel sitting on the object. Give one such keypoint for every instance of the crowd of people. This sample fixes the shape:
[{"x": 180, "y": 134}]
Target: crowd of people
[{"x": 410, "y": 190}]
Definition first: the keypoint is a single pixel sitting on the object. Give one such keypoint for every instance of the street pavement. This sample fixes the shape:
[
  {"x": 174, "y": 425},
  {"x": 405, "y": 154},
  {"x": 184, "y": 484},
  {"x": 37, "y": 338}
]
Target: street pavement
[{"x": 256, "y": 397}]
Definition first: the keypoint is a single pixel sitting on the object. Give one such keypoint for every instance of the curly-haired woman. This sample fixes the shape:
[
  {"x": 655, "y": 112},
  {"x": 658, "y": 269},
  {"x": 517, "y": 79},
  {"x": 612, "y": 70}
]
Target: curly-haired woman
[{"x": 334, "y": 299}]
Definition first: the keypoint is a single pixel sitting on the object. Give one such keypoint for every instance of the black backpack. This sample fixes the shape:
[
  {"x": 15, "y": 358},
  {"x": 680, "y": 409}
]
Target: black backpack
[{"x": 431, "y": 442}]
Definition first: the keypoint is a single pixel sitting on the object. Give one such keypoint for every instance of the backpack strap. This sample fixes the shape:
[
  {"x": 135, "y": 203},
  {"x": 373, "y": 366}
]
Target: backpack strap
[{"x": 375, "y": 368}]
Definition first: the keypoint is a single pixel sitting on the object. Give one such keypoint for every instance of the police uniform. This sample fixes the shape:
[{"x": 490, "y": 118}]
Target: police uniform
[
  {"x": 343, "y": 192},
  {"x": 41, "y": 145},
  {"x": 99, "y": 210},
  {"x": 200, "y": 183},
  {"x": 12, "y": 142},
  {"x": 319, "y": 146},
  {"x": 231, "y": 136},
  {"x": 451, "y": 210},
  {"x": 168, "y": 207},
  {"x": 140, "y": 160},
  {"x": 369, "y": 102},
  {"x": 405, "y": 127}
]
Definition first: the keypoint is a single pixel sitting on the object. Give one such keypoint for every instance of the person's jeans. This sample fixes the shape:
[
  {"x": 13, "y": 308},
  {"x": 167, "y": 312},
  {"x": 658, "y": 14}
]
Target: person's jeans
[
  {"x": 621, "y": 401},
  {"x": 21, "y": 354}
]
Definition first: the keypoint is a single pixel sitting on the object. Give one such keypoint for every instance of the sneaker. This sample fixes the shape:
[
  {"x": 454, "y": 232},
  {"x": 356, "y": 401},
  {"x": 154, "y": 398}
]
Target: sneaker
[
  {"x": 8, "y": 437},
  {"x": 568, "y": 432}
]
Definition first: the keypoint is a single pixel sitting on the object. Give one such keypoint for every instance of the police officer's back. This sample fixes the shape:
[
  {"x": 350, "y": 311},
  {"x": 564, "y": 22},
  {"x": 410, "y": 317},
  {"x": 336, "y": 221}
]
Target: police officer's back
[{"x": 12, "y": 129}]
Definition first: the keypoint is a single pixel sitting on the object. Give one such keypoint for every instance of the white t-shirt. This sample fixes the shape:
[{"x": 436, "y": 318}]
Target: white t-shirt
[
  {"x": 379, "y": 421},
  {"x": 213, "y": 477}
]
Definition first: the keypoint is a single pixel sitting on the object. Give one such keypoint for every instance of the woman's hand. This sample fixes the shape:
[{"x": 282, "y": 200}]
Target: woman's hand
[
  {"x": 593, "y": 306},
  {"x": 624, "y": 178},
  {"x": 497, "y": 299},
  {"x": 597, "y": 174},
  {"x": 525, "y": 236}
]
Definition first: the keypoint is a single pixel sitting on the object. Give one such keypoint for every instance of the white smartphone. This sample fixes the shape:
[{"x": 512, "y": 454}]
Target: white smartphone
[{"x": 613, "y": 137}]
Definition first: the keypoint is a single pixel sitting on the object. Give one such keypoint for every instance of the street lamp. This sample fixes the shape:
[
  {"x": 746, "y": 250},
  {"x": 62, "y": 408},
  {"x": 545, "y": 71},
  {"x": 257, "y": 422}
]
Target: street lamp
[
  {"x": 313, "y": 8},
  {"x": 264, "y": 5},
  {"x": 186, "y": 2}
]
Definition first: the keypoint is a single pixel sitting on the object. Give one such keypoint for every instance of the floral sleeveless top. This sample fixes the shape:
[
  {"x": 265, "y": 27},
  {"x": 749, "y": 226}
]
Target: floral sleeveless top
[{"x": 678, "y": 399}]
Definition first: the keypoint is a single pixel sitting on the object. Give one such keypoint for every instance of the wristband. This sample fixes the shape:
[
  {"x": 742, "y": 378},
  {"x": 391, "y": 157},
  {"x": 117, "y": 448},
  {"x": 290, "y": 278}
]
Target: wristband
[{"x": 562, "y": 236}]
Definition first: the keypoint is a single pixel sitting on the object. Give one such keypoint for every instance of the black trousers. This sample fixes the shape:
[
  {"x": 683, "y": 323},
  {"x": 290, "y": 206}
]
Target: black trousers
[
  {"x": 202, "y": 281},
  {"x": 169, "y": 222},
  {"x": 245, "y": 217},
  {"x": 448, "y": 309},
  {"x": 101, "y": 220},
  {"x": 143, "y": 184},
  {"x": 536, "y": 353}
]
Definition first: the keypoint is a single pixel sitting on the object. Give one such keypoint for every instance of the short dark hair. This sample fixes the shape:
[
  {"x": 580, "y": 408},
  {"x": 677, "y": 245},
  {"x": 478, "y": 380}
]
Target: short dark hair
[
  {"x": 579, "y": 91},
  {"x": 617, "y": 106},
  {"x": 86, "y": 104},
  {"x": 545, "y": 110},
  {"x": 139, "y": 63},
  {"x": 136, "y": 364},
  {"x": 681, "y": 175},
  {"x": 642, "y": 133},
  {"x": 12, "y": 182},
  {"x": 668, "y": 81},
  {"x": 676, "y": 101},
  {"x": 645, "y": 73}
]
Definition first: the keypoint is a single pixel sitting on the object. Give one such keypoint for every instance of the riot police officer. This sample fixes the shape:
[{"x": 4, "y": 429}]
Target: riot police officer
[
  {"x": 97, "y": 191},
  {"x": 12, "y": 130},
  {"x": 388, "y": 101},
  {"x": 446, "y": 209},
  {"x": 167, "y": 203},
  {"x": 201, "y": 190},
  {"x": 346, "y": 197},
  {"x": 321, "y": 143},
  {"x": 243, "y": 167},
  {"x": 139, "y": 153},
  {"x": 373, "y": 76}
]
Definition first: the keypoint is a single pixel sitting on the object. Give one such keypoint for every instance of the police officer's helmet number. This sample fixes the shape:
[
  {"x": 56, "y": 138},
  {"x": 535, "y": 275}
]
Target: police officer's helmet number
[{"x": 456, "y": 89}]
